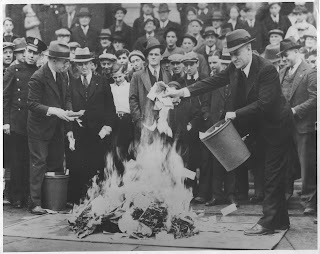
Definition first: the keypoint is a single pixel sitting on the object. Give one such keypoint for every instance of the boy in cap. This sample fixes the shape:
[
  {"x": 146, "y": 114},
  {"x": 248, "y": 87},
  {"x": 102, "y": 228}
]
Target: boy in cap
[
  {"x": 149, "y": 28},
  {"x": 275, "y": 36},
  {"x": 48, "y": 100},
  {"x": 7, "y": 55},
  {"x": 85, "y": 34},
  {"x": 137, "y": 60},
  {"x": 177, "y": 67},
  {"x": 310, "y": 43},
  {"x": 19, "y": 49},
  {"x": 91, "y": 93},
  {"x": 63, "y": 35},
  {"x": 8, "y": 26},
  {"x": 139, "y": 23},
  {"x": 121, "y": 27},
  {"x": 299, "y": 86},
  {"x": 15, "y": 94}
]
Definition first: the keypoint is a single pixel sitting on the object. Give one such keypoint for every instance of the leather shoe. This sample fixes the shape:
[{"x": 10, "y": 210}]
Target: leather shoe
[
  {"x": 38, "y": 210},
  {"x": 309, "y": 211},
  {"x": 17, "y": 204},
  {"x": 213, "y": 202},
  {"x": 255, "y": 200},
  {"x": 258, "y": 230},
  {"x": 199, "y": 200}
]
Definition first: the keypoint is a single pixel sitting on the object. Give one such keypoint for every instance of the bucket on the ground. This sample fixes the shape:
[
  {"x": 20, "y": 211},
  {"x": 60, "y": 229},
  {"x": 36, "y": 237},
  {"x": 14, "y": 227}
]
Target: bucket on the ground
[
  {"x": 226, "y": 145},
  {"x": 55, "y": 189}
]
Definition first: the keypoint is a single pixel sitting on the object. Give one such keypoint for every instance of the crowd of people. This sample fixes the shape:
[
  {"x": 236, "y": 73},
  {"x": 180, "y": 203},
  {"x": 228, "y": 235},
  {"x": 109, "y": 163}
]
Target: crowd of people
[{"x": 68, "y": 102}]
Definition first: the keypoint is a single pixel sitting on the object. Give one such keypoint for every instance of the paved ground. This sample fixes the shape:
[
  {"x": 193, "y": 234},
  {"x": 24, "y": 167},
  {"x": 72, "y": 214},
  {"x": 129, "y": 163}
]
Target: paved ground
[{"x": 301, "y": 236}]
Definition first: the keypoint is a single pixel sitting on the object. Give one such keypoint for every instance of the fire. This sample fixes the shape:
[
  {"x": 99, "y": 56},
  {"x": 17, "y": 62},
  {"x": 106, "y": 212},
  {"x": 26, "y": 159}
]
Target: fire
[{"x": 149, "y": 199}]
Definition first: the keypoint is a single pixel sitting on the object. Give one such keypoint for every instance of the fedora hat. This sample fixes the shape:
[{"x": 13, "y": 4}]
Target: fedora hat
[
  {"x": 272, "y": 53},
  {"x": 216, "y": 15},
  {"x": 82, "y": 55},
  {"x": 58, "y": 50},
  {"x": 136, "y": 53},
  {"x": 209, "y": 30},
  {"x": 288, "y": 44},
  {"x": 276, "y": 31},
  {"x": 19, "y": 44},
  {"x": 153, "y": 43},
  {"x": 105, "y": 33},
  {"x": 237, "y": 38},
  {"x": 84, "y": 12},
  {"x": 189, "y": 36},
  {"x": 163, "y": 8},
  {"x": 120, "y": 8},
  {"x": 37, "y": 44}
]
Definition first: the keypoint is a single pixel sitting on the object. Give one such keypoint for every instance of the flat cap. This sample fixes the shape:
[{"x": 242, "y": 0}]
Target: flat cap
[
  {"x": 136, "y": 53},
  {"x": 190, "y": 57},
  {"x": 62, "y": 32},
  {"x": 108, "y": 56},
  {"x": 175, "y": 58}
]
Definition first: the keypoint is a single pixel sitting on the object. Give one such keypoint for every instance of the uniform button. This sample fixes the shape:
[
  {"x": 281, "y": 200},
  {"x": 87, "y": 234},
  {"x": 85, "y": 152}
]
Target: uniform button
[
  {"x": 16, "y": 69},
  {"x": 19, "y": 89},
  {"x": 19, "y": 109},
  {"x": 17, "y": 79},
  {"x": 19, "y": 99}
]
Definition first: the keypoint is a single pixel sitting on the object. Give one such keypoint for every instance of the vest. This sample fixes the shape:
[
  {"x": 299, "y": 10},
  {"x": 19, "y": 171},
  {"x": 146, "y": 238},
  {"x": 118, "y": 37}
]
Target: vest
[
  {"x": 287, "y": 85},
  {"x": 153, "y": 78}
]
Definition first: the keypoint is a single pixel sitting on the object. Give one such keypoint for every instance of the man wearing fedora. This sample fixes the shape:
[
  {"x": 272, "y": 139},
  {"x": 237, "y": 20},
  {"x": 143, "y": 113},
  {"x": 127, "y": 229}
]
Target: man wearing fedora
[
  {"x": 69, "y": 19},
  {"x": 139, "y": 23},
  {"x": 299, "y": 86},
  {"x": 165, "y": 22},
  {"x": 121, "y": 27},
  {"x": 19, "y": 49},
  {"x": 91, "y": 93},
  {"x": 15, "y": 94},
  {"x": 260, "y": 110},
  {"x": 105, "y": 43},
  {"x": 141, "y": 107},
  {"x": 48, "y": 103},
  {"x": 85, "y": 34}
]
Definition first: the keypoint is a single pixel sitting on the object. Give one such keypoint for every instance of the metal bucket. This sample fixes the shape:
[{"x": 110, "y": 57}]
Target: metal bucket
[
  {"x": 55, "y": 189},
  {"x": 226, "y": 145}
]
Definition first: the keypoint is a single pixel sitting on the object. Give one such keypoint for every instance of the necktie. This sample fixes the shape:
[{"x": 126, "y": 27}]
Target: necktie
[
  {"x": 85, "y": 82},
  {"x": 59, "y": 84},
  {"x": 155, "y": 74}
]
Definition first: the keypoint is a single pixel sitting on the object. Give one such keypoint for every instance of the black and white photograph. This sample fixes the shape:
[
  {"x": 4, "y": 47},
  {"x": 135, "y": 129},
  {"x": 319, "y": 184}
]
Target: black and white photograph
[{"x": 166, "y": 126}]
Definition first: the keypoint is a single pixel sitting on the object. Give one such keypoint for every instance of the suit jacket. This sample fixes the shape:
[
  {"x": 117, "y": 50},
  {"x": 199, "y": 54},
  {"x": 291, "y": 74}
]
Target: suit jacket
[
  {"x": 268, "y": 24},
  {"x": 15, "y": 95},
  {"x": 98, "y": 104},
  {"x": 203, "y": 65},
  {"x": 90, "y": 40},
  {"x": 44, "y": 93},
  {"x": 239, "y": 25},
  {"x": 160, "y": 32},
  {"x": 141, "y": 107},
  {"x": 303, "y": 97},
  {"x": 256, "y": 32},
  {"x": 63, "y": 21},
  {"x": 265, "y": 110},
  {"x": 202, "y": 50},
  {"x": 126, "y": 33},
  {"x": 138, "y": 27},
  {"x": 139, "y": 44}
]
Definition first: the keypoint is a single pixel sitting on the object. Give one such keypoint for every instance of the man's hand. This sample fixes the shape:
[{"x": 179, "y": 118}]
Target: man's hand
[
  {"x": 6, "y": 129},
  {"x": 189, "y": 126},
  {"x": 173, "y": 93},
  {"x": 62, "y": 114},
  {"x": 230, "y": 115},
  {"x": 72, "y": 141},
  {"x": 105, "y": 130},
  {"x": 293, "y": 111}
]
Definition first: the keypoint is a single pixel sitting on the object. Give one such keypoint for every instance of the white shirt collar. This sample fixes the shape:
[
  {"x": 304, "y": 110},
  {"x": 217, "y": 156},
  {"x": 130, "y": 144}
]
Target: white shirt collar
[
  {"x": 195, "y": 76},
  {"x": 147, "y": 17},
  {"x": 150, "y": 35},
  {"x": 205, "y": 11},
  {"x": 54, "y": 73},
  {"x": 275, "y": 17},
  {"x": 296, "y": 66},
  {"x": 152, "y": 69},
  {"x": 164, "y": 24},
  {"x": 89, "y": 76},
  {"x": 246, "y": 69}
]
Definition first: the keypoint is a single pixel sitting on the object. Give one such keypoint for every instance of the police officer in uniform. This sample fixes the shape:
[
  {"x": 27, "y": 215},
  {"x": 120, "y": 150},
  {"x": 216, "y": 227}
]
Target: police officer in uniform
[{"x": 15, "y": 112}]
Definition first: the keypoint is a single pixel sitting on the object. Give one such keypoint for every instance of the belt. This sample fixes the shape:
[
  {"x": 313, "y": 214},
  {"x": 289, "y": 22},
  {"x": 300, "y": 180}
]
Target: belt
[{"x": 121, "y": 114}]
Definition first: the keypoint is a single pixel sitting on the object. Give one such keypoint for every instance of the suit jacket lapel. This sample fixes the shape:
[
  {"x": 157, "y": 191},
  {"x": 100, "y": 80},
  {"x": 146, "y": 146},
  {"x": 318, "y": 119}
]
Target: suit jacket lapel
[
  {"x": 146, "y": 79},
  {"x": 51, "y": 81},
  {"x": 297, "y": 78},
  {"x": 93, "y": 86},
  {"x": 79, "y": 87},
  {"x": 252, "y": 75},
  {"x": 282, "y": 74}
]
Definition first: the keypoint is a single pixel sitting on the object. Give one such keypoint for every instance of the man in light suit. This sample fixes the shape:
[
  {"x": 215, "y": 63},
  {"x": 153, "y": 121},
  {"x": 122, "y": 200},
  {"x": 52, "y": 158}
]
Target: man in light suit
[
  {"x": 259, "y": 109},
  {"x": 299, "y": 86},
  {"x": 48, "y": 103},
  {"x": 141, "y": 106},
  {"x": 85, "y": 35}
]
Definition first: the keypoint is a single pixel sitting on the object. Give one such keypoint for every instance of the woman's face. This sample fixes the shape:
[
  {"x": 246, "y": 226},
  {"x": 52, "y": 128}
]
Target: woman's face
[{"x": 191, "y": 15}]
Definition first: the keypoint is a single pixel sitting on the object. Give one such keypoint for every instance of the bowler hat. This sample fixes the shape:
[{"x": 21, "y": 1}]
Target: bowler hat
[
  {"x": 58, "y": 49},
  {"x": 153, "y": 43},
  {"x": 237, "y": 38},
  {"x": 216, "y": 15},
  {"x": 37, "y": 44},
  {"x": 84, "y": 12},
  {"x": 288, "y": 44},
  {"x": 190, "y": 57},
  {"x": 136, "y": 53},
  {"x": 175, "y": 58},
  {"x": 163, "y": 8},
  {"x": 272, "y": 53},
  {"x": 108, "y": 56},
  {"x": 20, "y": 44},
  {"x": 8, "y": 45},
  {"x": 120, "y": 8},
  {"x": 82, "y": 55},
  {"x": 189, "y": 36},
  {"x": 105, "y": 33},
  {"x": 276, "y": 31},
  {"x": 209, "y": 30}
]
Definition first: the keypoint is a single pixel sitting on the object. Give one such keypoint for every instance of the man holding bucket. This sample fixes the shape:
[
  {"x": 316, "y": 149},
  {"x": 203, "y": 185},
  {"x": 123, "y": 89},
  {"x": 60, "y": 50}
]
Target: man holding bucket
[{"x": 260, "y": 110}]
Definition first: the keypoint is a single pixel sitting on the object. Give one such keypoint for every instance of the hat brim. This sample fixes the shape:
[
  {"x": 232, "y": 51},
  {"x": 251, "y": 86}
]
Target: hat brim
[
  {"x": 293, "y": 47},
  {"x": 20, "y": 49},
  {"x": 82, "y": 60},
  {"x": 229, "y": 50},
  {"x": 60, "y": 57},
  {"x": 274, "y": 60},
  {"x": 161, "y": 47}
]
